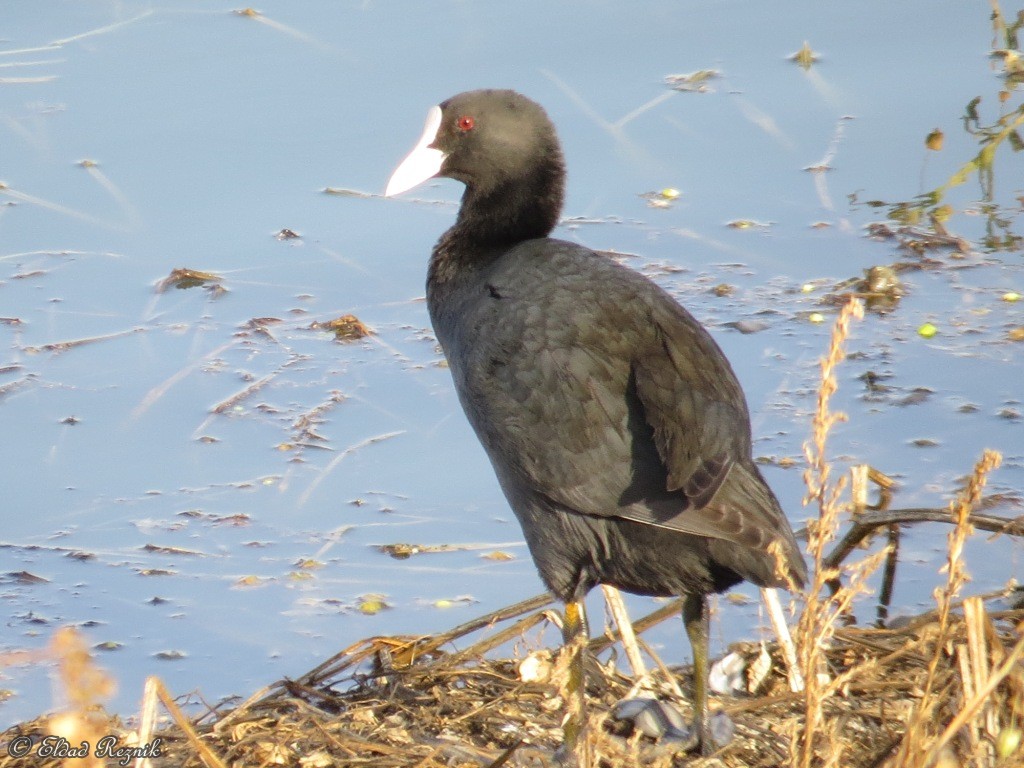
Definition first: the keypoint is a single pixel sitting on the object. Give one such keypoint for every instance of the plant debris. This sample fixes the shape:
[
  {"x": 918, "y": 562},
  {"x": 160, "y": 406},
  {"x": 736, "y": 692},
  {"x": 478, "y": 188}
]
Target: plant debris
[
  {"x": 693, "y": 82},
  {"x": 417, "y": 701},
  {"x": 183, "y": 278},
  {"x": 805, "y": 57},
  {"x": 344, "y": 328}
]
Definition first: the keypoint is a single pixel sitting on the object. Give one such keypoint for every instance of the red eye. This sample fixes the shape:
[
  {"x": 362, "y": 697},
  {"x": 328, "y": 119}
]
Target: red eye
[{"x": 465, "y": 123}]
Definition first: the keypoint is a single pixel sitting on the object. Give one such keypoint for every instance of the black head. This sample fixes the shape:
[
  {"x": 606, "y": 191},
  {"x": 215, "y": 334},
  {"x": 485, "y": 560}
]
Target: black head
[{"x": 503, "y": 147}]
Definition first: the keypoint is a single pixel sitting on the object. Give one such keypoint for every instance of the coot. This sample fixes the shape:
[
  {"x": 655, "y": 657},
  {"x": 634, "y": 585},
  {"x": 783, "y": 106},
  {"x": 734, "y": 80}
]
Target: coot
[{"x": 616, "y": 427}]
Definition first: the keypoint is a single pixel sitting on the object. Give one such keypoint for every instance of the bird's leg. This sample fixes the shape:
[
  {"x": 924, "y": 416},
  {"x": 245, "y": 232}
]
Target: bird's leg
[
  {"x": 574, "y": 726},
  {"x": 696, "y": 619}
]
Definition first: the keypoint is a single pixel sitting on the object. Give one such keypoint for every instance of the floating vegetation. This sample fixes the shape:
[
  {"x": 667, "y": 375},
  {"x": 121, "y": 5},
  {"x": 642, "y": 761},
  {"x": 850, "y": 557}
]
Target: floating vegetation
[
  {"x": 183, "y": 279},
  {"x": 165, "y": 550},
  {"x": 343, "y": 192},
  {"x": 498, "y": 556},
  {"x": 723, "y": 289},
  {"x": 805, "y": 57},
  {"x": 64, "y": 346},
  {"x": 1009, "y": 54},
  {"x": 371, "y": 604},
  {"x": 933, "y": 210},
  {"x": 915, "y": 239},
  {"x": 748, "y": 326},
  {"x": 344, "y": 328},
  {"x": 403, "y": 551},
  {"x": 24, "y": 577},
  {"x": 172, "y": 655},
  {"x": 694, "y": 82},
  {"x": 880, "y": 288},
  {"x": 663, "y": 198},
  {"x": 748, "y": 224}
]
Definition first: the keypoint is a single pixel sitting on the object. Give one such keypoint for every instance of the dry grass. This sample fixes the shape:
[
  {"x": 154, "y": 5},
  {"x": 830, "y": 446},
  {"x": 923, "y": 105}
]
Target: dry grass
[
  {"x": 816, "y": 740},
  {"x": 946, "y": 689},
  {"x": 400, "y": 702},
  {"x": 930, "y": 732},
  {"x": 961, "y": 679},
  {"x": 80, "y": 717}
]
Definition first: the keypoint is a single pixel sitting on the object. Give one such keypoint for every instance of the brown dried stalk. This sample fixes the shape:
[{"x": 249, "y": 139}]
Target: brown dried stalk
[
  {"x": 919, "y": 746},
  {"x": 86, "y": 686},
  {"x": 817, "y": 622}
]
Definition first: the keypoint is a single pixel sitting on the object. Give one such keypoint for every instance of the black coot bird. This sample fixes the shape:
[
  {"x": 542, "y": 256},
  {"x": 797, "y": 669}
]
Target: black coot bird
[{"x": 617, "y": 429}]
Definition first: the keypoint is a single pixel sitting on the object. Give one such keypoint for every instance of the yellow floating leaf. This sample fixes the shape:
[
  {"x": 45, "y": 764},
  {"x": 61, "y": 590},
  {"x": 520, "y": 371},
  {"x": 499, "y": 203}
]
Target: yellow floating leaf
[
  {"x": 498, "y": 556},
  {"x": 934, "y": 140},
  {"x": 371, "y": 604},
  {"x": 805, "y": 57}
]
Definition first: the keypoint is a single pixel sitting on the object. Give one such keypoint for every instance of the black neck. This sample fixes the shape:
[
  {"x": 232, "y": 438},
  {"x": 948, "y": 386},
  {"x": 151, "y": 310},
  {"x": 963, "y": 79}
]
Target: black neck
[{"x": 518, "y": 209}]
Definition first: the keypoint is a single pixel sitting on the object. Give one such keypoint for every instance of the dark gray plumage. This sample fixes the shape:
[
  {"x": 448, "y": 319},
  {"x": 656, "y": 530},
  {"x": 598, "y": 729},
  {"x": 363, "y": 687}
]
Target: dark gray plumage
[{"x": 616, "y": 427}]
